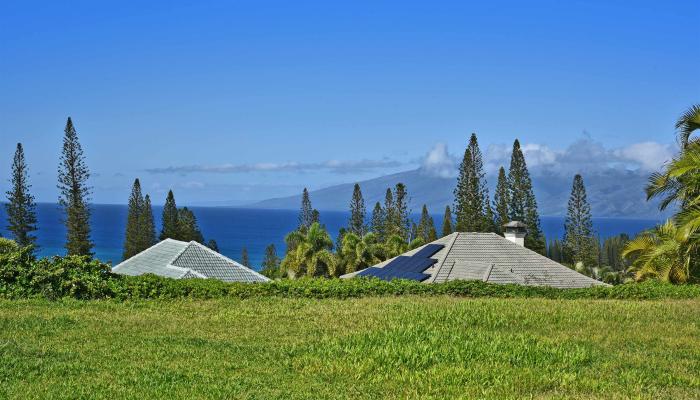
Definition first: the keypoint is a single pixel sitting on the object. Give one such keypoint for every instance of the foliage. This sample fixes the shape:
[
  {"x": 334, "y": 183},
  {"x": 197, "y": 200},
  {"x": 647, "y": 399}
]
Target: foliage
[
  {"x": 309, "y": 253},
  {"x": 140, "y": 227},
  {"x": 271, "y": 263},
  {"x": 447, "y": 222},
  {"x": 23, "y": 276},
  {"x": 678, "y": 184},
  {"x": 426, "y": 227},
  {"x": 171, "y": 226},
  {"x": 188, "y": 229},
  {"x": 501, "y": 198},
  {"x": 73, "y": 174},
  {"x": 611, "y": 252},
  {"x": 687, "y": 123},
  {"x": 306, "y": 212},
  {"x": 245, "y": 259},
  {"x": 8, "y": 245},
  {"x": 213, "y": 245},
  {"x": 20, "y": 206},
  {"x": 662, "y": 253},
  {"x": 356, "y": 224},
  {"x": 523, "y": 205},
  {"x": 580, "y": 245},
  {"x": 377, "y": 222},
  {"x": 359, "y": 253},
  {"x": 471, "y": 193},
  {"x": 396, "y": 212}
]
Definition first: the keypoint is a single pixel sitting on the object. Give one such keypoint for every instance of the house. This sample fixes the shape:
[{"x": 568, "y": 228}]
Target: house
[
  {"x": 175, "y": 259},
  {"x": 479, "y": 256}
]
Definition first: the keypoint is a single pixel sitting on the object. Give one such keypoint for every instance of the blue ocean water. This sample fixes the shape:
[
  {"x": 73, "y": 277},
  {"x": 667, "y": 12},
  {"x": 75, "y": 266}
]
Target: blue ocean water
[{"x": 234, "y": 228}]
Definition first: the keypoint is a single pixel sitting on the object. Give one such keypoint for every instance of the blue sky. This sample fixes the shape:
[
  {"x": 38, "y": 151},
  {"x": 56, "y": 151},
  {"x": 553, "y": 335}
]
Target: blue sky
[{"x": 239, "y": 101}]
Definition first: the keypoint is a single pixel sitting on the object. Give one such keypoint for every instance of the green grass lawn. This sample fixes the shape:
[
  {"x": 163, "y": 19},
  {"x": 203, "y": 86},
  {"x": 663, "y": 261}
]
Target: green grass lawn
[{"x": 400, "y": 347}]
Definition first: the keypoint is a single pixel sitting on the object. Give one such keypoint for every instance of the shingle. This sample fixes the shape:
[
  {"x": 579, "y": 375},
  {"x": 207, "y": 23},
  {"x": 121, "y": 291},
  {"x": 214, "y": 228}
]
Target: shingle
[
  {"x": 176, "y": 259},
  {"x": 207, "y": 262},
  {"x": 492, "y": 258}
]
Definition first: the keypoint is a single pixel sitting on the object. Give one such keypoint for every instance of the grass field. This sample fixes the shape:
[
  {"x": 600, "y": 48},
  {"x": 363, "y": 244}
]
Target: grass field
[{"x": 396, "y": 347}]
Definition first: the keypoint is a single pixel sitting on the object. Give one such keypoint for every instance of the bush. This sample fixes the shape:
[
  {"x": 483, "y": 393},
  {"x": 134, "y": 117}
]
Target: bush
[{"x": 23, "y": 276}]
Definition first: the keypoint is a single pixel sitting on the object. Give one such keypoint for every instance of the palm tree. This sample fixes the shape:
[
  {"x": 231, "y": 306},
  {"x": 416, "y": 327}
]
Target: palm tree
[
  {"x": 358, "y": 252},
  {"x": 688, "y": 122},
  {"x": 680, "y": 183},
  {"x": 663, "y": 253},
  {"x": 309, "y": 253}
]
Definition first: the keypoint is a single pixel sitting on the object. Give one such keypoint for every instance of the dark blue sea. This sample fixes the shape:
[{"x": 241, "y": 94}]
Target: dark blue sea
[{"x": 235, "y": 228}]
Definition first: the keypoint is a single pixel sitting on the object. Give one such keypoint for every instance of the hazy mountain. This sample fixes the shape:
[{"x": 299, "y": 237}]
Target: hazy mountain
[{"x": 612, "y": 193}]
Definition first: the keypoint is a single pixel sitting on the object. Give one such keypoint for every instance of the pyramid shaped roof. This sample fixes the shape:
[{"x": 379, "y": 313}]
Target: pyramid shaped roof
[
  {"x": 175, "y": 259},
  {"x": 490, "y": 258}
]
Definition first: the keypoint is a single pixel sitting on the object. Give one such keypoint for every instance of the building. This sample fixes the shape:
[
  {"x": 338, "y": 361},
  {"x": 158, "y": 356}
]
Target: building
[
  {"x": 175, "y": 259},
  {"x": 486, "y": 257}
]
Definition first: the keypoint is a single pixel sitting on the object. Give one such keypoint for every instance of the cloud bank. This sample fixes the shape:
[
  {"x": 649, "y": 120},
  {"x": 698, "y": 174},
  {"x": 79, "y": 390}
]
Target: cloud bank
[
  {"x": 585, "y": 156},
  {"x": 333, "y": 166}
]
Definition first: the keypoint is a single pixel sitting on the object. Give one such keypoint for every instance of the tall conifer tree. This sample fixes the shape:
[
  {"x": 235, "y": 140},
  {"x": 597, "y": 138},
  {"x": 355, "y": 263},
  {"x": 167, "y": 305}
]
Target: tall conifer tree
[
  {"x": 306, "y": 212},
  {"x": 389, "y": 214},
  {"x": 523, "y": 206},
  {"x": 426, "y": 226},
  {"x": 73, "y": 174},
  {"x": 147, "y": 225},
  {"x": 447, "y": 222},
  {"x": 400, "y": 212},
  {"x": 579, "y": 240},
  {"x": 500, "y": 200},
  {"x": 188, "y": 230},
  {"x": 271, "y": 263},
  {"x": 378, "y": 222},
  {"x": 20, "y": 206},
  {"x": 356, "y": 224},
  {"x": 134, "y": 238},
  {"x": 245, "y": 260},
  {"x": 471, "y": 195},
  {"x": 171, "y": 226}
]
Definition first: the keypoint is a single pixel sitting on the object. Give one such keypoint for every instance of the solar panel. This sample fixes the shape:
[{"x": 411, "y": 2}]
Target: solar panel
[{"x": 406, "y": 267}]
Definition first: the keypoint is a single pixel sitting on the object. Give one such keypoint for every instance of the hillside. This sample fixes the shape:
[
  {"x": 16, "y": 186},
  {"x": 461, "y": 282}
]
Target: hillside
[{"x": 612, "y": 193}]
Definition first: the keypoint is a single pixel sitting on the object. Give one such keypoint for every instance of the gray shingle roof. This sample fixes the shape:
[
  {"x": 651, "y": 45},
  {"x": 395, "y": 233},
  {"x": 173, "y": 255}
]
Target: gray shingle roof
[
  {"x": 176, "y": 259},
  {"x": 491, "y": 258}
]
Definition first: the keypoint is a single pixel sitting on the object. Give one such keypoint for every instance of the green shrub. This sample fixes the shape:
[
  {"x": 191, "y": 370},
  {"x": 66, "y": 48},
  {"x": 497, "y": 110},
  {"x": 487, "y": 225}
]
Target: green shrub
[
  {"x": 23, "y": 276},
  {"x": 7, "y": 245}
]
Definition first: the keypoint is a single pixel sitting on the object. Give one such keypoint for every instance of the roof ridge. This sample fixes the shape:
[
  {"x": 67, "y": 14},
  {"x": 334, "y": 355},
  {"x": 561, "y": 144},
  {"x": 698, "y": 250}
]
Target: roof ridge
[
  {"x": 144, "y": 250},
  {"x": 447, "y": 249}
]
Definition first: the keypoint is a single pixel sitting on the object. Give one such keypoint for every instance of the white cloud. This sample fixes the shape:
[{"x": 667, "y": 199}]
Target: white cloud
[
  {"x": 649, "y": 155},
  {"x": 585, "y": 155},
  {"x": 334, "y": 166},
  {"x": 438, "y": 162}
]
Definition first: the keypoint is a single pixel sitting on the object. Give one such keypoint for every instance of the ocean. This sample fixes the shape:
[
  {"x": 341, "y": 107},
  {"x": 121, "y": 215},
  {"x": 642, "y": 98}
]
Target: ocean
[{"x": 235, "y": 228}]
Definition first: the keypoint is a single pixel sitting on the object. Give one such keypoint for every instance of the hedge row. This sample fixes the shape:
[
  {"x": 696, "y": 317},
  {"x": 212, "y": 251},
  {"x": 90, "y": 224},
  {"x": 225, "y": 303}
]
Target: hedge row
[{"x": 22, "y": 276}]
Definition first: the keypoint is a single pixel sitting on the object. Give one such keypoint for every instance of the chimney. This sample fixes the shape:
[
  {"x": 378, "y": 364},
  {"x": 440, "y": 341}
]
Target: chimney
[{"x": 515, "y": 231}]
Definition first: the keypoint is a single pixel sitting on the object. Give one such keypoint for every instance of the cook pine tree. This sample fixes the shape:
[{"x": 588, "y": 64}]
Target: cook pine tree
[
  {"x": 140, "y": 228},
  {"x": 356, "y": 224},
  {"x": 447, "y": 222},
  {"x": 500, "y": 200},
  {"x": 133, "y": 239},
  {"x": 20, "y": 206},
  {"x": 307, "y": 214},
  {"x": 377, "y": 222},
  {"x": 471, "y": 195},
  {"x": 73, "y": 175},
  {"x": 579, "y": 243},
  {"x": 522, "y": 205},
  {"x": 170, "y": 227}
]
